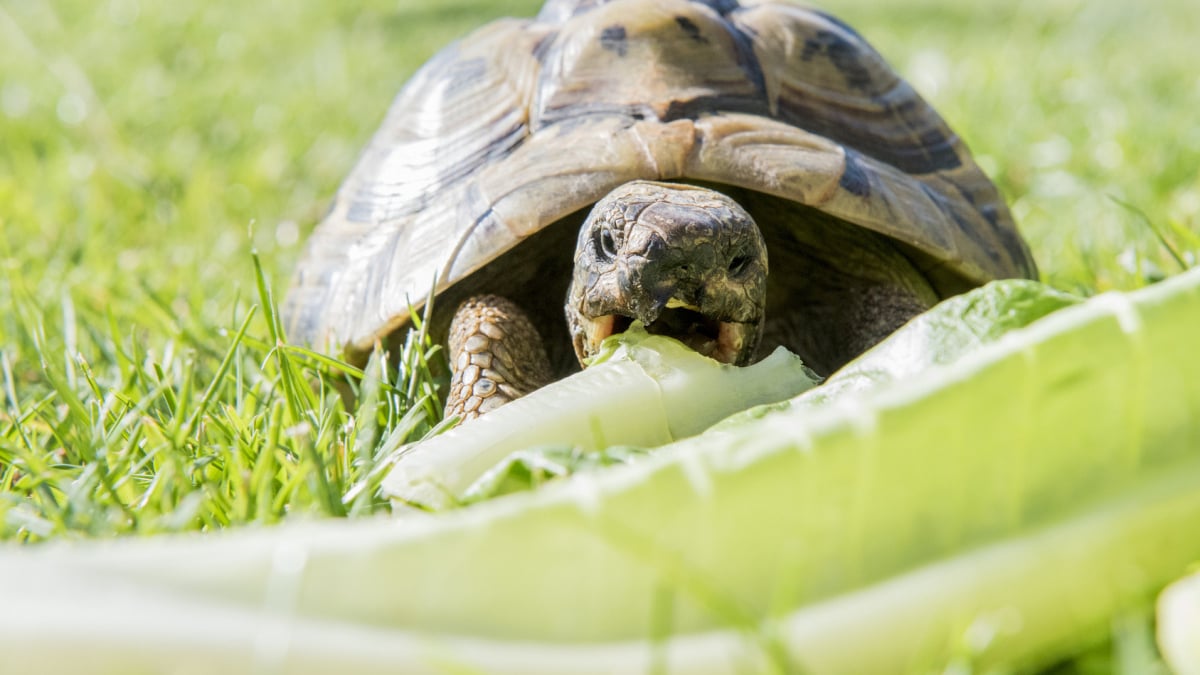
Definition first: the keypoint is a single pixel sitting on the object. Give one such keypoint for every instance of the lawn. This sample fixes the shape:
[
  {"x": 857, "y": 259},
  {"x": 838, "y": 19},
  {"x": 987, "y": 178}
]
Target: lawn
[{"x": 148, "y": 152}]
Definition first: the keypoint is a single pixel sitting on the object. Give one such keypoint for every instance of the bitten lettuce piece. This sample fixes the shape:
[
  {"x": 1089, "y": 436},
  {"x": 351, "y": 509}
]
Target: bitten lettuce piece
[{"x": 643, "y": 390}]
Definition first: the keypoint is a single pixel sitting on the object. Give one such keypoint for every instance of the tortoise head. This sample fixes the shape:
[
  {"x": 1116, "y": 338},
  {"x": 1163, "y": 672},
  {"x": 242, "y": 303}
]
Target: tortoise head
[{"x": 688, "y": 262}]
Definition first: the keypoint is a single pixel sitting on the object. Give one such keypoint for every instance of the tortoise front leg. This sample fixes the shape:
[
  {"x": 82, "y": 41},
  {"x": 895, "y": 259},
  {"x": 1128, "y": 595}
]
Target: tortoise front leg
[{"x": 496, "y": 355}]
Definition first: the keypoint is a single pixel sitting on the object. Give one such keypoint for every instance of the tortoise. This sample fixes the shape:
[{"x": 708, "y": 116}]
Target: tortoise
[{"x": 643, "y": 159}]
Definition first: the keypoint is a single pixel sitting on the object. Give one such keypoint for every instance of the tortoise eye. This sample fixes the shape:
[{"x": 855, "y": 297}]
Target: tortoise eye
[
  {"x": 739, "y": 265},
  {"x": 606, "y": 245}
]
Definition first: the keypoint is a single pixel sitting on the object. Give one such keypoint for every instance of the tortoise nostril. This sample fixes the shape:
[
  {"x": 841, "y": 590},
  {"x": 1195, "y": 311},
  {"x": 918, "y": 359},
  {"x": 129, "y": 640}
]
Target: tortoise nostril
[{"x": 739, "y": 265}]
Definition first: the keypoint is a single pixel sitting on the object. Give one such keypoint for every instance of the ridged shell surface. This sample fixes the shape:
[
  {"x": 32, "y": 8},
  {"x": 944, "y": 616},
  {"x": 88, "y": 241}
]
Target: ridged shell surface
[{"x": 524, "y": 122}]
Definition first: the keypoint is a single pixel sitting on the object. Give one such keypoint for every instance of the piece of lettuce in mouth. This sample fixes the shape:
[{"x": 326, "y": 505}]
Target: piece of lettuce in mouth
[{"x": 641, "y": 390}]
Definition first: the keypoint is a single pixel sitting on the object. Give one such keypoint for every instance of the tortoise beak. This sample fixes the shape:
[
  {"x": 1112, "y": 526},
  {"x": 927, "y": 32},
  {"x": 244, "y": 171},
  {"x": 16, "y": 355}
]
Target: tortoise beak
[{"x": 731, "y": 342}]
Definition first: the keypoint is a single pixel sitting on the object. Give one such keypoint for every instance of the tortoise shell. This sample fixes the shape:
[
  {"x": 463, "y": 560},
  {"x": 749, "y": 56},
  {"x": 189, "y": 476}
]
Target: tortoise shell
[{"x": 527, "y": 123}]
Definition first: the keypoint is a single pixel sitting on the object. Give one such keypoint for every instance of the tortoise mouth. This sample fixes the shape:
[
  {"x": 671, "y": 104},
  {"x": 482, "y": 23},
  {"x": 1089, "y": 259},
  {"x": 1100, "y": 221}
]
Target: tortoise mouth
[{"x": 724, "y": 341}]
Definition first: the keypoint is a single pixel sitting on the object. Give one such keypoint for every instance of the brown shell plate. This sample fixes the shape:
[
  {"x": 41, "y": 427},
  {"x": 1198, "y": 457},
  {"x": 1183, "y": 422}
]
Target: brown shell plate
[{"x": 527, "y": 121}]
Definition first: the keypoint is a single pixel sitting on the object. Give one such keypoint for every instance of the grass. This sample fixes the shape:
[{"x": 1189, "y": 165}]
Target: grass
[{"x": 146, "y": 149}]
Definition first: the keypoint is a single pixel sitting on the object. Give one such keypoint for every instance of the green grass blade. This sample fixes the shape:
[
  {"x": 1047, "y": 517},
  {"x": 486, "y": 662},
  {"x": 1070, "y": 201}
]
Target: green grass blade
[{"x": 219, "y": 377}]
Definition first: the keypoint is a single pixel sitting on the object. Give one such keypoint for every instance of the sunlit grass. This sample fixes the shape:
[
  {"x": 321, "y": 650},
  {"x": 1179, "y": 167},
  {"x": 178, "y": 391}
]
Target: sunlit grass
[{"x": 212, "y": 430}]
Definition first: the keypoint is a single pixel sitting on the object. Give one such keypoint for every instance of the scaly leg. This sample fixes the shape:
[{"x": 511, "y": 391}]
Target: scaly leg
[{"x": 496, "y": 355}]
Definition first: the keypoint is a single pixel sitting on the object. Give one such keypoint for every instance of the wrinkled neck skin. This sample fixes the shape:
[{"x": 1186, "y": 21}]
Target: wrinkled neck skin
[{"x": 686, "y": 261}]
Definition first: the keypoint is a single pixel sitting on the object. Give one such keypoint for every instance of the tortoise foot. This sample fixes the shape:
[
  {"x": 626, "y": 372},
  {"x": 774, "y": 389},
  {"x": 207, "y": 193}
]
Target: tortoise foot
[{"x": 496, "y": 355}]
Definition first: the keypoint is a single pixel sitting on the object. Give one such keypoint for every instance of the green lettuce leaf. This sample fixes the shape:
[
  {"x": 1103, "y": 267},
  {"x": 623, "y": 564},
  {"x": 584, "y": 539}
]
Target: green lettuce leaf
[
  {"x": 940, "y": 336},
  {"x": 643, "y": 390}
]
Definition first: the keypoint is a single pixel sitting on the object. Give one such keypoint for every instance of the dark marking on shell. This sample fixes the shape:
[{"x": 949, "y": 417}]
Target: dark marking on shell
[
  {"x": 849, "y": 30},
  {"x": 934, "y": 149},
  {"x": 934, "y": 153},
  {"x": 1006, "y": 233},
  {"x": 746, "y": 58},
  {"x": 613, "y": 38},
  {"x": 964, "y": 222},
  {"x": 690, "y": 29},
  {"x": 965, "y": 193},
  {"x": 578, "y": 114},
  {"x": 989, "y": 211},
  {"x": 701, "y": 105},
  {"x": 543, "y": 46},
  {"x": 937, "y": 151},
  {"x": 843, "y": 54},
  {"x": 854, "y": 178},
  {"x": 992, "y": 215},
  {"x": 886, "y": 134},
  {"x": 1015, "y": 247}
]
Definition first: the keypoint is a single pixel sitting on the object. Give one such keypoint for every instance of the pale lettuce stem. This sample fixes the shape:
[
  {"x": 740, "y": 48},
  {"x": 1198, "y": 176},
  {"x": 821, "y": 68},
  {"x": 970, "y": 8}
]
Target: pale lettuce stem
[{"x": 1179, "y": 623}]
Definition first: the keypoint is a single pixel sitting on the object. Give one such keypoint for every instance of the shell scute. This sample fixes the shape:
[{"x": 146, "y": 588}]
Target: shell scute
[
  {"x": 643, "y": 59},
  {"x": 824, "y": 77}
]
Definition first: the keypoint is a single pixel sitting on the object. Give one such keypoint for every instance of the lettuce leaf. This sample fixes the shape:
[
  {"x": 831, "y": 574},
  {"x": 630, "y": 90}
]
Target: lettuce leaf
[{"x": 643, "y": 390}]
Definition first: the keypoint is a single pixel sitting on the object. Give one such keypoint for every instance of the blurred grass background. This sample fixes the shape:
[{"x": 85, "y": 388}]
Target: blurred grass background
[
  {"x": 149, "y": 144},
  {"x": 147, "y": 147}
]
